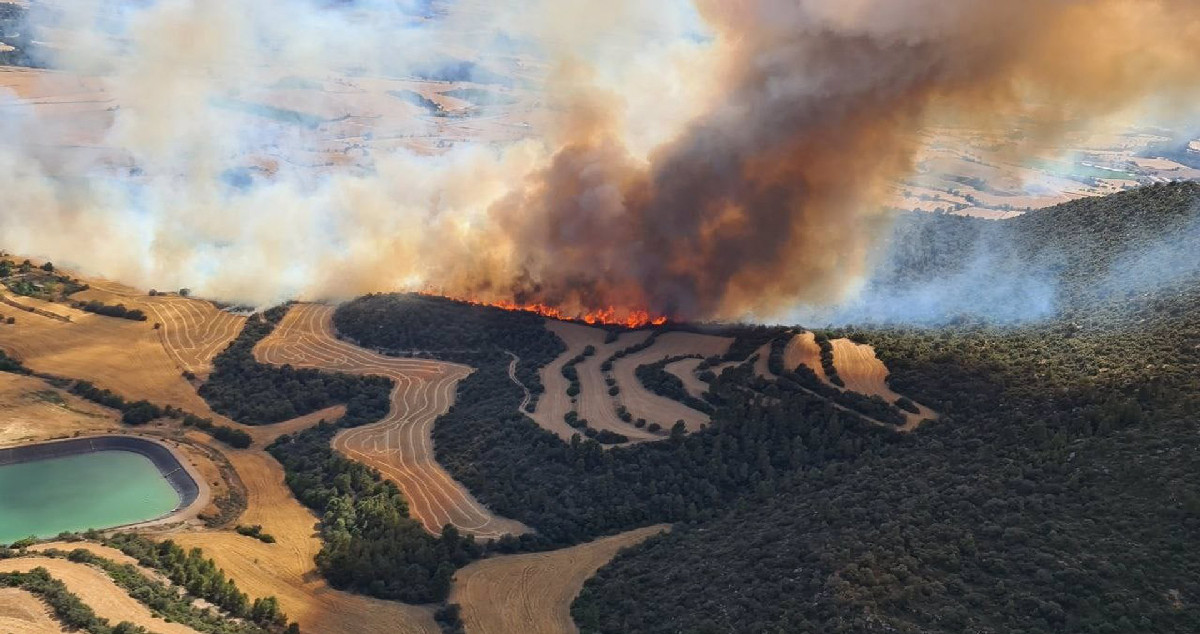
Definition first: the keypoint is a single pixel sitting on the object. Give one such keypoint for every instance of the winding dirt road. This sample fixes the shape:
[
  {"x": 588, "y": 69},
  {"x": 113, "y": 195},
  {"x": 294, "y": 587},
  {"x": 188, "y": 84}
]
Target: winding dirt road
[{"x": 401, "y": 445}]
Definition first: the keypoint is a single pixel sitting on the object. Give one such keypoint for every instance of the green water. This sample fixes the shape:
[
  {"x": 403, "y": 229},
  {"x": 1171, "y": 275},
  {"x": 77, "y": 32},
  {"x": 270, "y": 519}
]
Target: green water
[{"x": 93, "y": 490}]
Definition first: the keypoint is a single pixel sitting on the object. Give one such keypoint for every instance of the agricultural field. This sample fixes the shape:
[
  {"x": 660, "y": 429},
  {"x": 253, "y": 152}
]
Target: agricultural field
[
  {"x": 533, "y": 593},
  {"x": 399, "y": 446}
]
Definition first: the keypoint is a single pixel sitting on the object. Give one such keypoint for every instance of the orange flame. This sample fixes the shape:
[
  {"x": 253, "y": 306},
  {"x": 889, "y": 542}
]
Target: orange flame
[{"x": 610, "y": 316}]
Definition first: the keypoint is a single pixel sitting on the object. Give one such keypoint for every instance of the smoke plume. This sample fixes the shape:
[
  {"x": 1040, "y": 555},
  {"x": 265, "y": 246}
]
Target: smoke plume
[{"x": 699, "y": 160}]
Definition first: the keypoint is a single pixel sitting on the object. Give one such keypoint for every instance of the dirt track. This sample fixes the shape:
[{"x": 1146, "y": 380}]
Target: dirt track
[
  {"x": 98, "y": 591},
  {"x": 23, "y": 613},
  {"x": 400, "y": 446},
  {"x": 863, "y": 372},
  {"x": 643, "y": 403},
  {"x": 532, "y": 594}
]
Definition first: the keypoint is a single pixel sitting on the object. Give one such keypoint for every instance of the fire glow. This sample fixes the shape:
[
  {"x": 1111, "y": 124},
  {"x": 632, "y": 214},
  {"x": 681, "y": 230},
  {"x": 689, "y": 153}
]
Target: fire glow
[{"x": 610, "y": 316}]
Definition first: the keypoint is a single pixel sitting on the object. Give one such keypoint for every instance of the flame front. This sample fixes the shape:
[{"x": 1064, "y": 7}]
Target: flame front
[{"x": 610, "y": 316}]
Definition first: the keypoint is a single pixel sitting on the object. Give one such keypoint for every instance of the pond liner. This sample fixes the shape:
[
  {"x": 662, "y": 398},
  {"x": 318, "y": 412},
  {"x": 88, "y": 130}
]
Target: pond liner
[{"x": 162, "y": 458}]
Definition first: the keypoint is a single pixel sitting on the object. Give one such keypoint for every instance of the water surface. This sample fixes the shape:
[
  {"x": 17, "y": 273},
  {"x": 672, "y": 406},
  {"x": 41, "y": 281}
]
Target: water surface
[{"x": 100, "y": 489}]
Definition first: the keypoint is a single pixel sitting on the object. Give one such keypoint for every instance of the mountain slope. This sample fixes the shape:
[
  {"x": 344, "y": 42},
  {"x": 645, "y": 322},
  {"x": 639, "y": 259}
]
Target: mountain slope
[{"x": 1056, "y": 494}]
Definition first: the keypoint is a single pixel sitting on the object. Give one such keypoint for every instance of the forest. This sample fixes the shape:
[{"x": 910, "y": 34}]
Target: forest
[{"x": 1055, "y": 494}]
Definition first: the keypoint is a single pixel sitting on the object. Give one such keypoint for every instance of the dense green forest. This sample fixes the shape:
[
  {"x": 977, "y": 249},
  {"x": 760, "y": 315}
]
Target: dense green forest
[
  {"x": 1053, "y": 494},
  {"x": 1056, "y": 494}
]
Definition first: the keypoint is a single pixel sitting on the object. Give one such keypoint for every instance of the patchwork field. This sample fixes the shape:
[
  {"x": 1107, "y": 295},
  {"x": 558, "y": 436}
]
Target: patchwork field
[
  {"x": 532, "y": 593},
  {"x": 400, "y": 446},
  {"x": 193, "y": 331},
  {"x": 127, "y": 357}
]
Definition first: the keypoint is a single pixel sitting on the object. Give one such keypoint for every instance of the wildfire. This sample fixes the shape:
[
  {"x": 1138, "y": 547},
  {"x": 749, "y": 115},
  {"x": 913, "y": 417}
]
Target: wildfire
[{"x": 610, "y": 316}]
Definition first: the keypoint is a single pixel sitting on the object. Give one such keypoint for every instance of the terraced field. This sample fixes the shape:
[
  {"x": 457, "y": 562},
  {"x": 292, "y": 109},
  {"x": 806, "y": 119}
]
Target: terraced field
[
  {"x": 554, "y": 402},
  {"x": 643, "y": 403},
  {"x": 532, "y": 593},
  {"x": 400, "y": 446},
  {"x": 594, "y": 402},
  {"x": 193, "y": 331},
  {"x": 685, "y": 371}
]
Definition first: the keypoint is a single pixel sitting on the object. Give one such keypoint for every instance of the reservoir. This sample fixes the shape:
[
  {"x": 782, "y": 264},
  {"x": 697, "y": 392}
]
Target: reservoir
[{"x": 77, "y": 485}]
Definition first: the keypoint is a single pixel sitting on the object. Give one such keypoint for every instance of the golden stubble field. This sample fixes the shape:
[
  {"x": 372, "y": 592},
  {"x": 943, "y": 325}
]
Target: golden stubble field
[
  {"x": 532, "y": 593},
  {"x": 23, "y": 613},
  {"x": 401, "y": 445}
]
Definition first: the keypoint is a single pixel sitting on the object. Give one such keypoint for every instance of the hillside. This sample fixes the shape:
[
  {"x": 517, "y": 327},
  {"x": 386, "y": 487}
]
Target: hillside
[{"x": 1053, "y": 496}]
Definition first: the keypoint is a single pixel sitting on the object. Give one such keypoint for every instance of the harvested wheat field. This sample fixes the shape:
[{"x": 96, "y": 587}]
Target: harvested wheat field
[
  {"x": 863, "y": 372},
  {"x": 112, "y": 554},
  {"x": 532, "y": 594},
  {"x": 594, "y": 403},
  {"x": 401, "y": 445},
  {"x": 643, "y": 403},
  {"x": 192, "y": 331},
  {"x": 762, "y": 362},
  {"x": 98, "y": 591},
  {"x": 686, "y": 371},
  {"x": 286, "y": 568},
  {"x": 802, "y": 349},
  {"x": 23, "y": 613},
  {"x": 264, "y": 435},
  {"x": 554, "y": 402},
  {"x": 124, "y": 356},
  {"x": 32, "y": 410}
]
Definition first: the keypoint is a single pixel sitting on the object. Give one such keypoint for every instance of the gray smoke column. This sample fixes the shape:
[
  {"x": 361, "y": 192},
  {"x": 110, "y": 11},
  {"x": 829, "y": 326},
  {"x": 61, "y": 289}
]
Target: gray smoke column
[
  {"x": 711, "y": 160},
  {"x": 772, "y": 197}
]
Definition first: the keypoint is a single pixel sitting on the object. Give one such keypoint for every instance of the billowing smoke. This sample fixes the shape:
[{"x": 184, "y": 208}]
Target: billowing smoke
[{"x": 697, "y": 160}]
